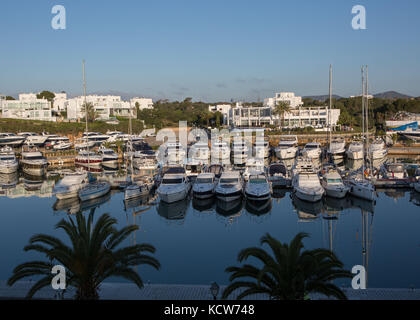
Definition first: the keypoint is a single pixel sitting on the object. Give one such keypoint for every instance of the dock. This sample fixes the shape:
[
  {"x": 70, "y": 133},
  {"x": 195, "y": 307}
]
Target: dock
[{"x": 129, "y": 291}]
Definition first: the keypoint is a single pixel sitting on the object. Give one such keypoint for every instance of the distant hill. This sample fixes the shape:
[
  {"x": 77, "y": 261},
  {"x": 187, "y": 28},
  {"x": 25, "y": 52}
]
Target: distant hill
[
  {"x": 391, "y": 95},
  {"x": 322, "y": 97}
]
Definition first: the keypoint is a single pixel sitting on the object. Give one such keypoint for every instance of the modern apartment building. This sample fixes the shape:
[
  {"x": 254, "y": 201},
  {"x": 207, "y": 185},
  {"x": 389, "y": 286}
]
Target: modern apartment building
[
  {"x": 28, "y": 107},
  {"x": 223, "y": 109},
  {"x": 289, "y": 97},
  {"x": 144, "y": 103}
]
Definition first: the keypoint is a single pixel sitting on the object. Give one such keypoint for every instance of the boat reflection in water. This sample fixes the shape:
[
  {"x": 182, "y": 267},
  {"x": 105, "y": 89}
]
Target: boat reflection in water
[
  {"x": 229, "y": 208},
  {"x": 8, "y": 180},
  {"x": 74, "y": 205},
  {"x": 136, "y": 202},
  {"x": 279, "y": 193},
  {"x": 258, "y": 208},
  {"x": 203, "y": 205},
  {"x": 364, "y": 205},
  {"x": 335, "y": 204},
  {"x": 307, "y": 211},
  {"x": 175, "y": 211},
  {"x": 32, "y": 183},
  {"x": 415, "y": 198}
]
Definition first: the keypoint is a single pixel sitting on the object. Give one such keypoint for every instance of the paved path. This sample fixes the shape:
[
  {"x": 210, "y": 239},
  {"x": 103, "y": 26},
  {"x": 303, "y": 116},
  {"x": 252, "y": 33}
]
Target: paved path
[{"x": 127, "y": 291}]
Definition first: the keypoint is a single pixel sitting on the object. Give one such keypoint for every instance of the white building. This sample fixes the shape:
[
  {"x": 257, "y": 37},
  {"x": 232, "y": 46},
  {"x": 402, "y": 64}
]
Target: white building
[
  {"x": 60, "y": 101},
  {"x": 300, "y": 117},
  {"x": 144, "y": 103},
  {"x": 288, "y": 97},
  {"x": 223, "y": 109},
  {"x": 28, "y": 107},
  {"x": 104, "y": 106}
]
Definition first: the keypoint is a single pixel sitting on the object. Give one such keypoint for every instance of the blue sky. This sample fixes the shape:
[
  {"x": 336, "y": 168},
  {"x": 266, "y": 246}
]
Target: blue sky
[{"x": 209, "y": 50}]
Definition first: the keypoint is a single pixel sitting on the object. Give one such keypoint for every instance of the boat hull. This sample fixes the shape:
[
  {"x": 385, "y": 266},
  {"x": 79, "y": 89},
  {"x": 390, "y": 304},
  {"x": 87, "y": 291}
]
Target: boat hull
[
  {"x": 9, "y": 168},
  {"x": 284, "y": 154},
  {"x": 308, "y": 196},
  {"x": 173, "y": 196},
  {"x": 93, "y": 195}
]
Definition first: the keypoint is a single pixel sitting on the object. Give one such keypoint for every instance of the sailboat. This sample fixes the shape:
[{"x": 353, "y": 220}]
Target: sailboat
[
  {"x": 133, "y": 190},
  {"x": 93, "y": 189},
  {"x": 359, "y": 186}
]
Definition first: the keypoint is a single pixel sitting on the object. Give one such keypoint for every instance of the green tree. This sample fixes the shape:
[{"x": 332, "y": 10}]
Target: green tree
[
  {"x": 91, "y": 113},
  {"x": 46, "y": 95},
  {"x": 92, "y": 257},
  {"x": 10, "y": 98},
  {"x": 282, "y": 107},
  {"x": 289, "y": 273}
]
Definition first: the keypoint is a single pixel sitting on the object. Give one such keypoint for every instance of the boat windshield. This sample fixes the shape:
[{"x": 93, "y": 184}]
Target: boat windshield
[
  {"x": 228, "y": 180},
  {"x": 334, "y": 181},
  {"x": 204, "y": 180},
  {"x": 311, "y": 147},
  {"x": 277, "y": 169},
  {"x": 257, "y": 180},
  {"x": 34, "y": 158},
  {"x": 7, "y": 158},
  {"x": 171, "y": 181}
]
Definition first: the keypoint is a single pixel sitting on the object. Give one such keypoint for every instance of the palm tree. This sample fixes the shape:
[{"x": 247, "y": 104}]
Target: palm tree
[
  {"x": 288, "y": 274},
  {"x": 92, "y": 257},
  {"x": 92, "y": 114},
  {"x": 282, "y": 107}
]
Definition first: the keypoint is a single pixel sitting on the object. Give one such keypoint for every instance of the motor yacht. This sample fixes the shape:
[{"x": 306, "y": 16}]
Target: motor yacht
[
  {"x": 69, "y": 186},
  {"x": 258, "y": 188},
  {"x": 261, "y": 149},
  {"x": 88, "y": 159},
  {"x": 174, "y": 153},
  {"x": 193, "y": 168},
  {"x": 229, "y": 187},
  {"x": 174, "y": 187},
  {"x": 11, "y": 139},
  {"x": 305, "y": 182},
  {"x": 109, "y": 158},
  {"x": 204, "y": 186},
  {"x": 239, "y": 151},
  {"x": 391, "y": 175},
  {"x": 59, "y": 146},
  {"x": 355, "y": 150},
  {"x": 278, "y": 175},
  {"x": 377, "y": 150},
  {"x": 136, "y": 190},
  {"x": 337, "y": 148},
  {"x": 82, "y": 144},
  {"x": 8, "y": 161},
  {"x": 312, "y": 150},
  {"x": 96, "y": 137},
  {"x": 200, "y": 152},
  {"x": 287, "y": 147},
  {"x": 33, "y": 138},
  {"x": 33, "y": 162},
  {"x": 333, "y": 184},
  {"x": 220, "y": 152}
]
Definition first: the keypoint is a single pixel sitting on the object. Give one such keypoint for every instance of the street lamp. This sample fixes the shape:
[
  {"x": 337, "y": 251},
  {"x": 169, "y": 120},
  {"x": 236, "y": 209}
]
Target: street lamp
[{"x": 214, "y": 289}]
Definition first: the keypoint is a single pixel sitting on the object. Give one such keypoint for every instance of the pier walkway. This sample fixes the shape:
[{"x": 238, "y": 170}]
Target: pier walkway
[{"x": 128, "y": 291}]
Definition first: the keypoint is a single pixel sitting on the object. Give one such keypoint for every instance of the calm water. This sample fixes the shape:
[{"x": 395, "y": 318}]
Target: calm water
[{"x": 196, "y": 241}]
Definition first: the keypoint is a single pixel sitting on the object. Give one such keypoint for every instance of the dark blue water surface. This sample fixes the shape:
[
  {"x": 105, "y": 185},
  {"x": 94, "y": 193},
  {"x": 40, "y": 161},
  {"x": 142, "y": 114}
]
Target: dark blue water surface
[{"x": 196, "y": 241}]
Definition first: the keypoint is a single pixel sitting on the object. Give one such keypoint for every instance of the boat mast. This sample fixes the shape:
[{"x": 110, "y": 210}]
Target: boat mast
[
  {"x": 367, "y": 118},
  {"x": 86, "y": 110},
  {"x": 330, "y": 107},
  {"x": 130, "y": 129},
  {"x": 363, "y": 121}
]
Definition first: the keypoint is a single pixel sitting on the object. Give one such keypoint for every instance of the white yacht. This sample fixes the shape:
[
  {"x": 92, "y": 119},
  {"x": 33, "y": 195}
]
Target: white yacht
[
  {"x": 93, "y": 190},
  {"x": 239, "y": 151},
  {"x": 229, "y": 187},
  {"x": 279, "y": 175},
  {"x": 33, "y": 162},
  {"x": 199, "y": 151},
  {"x": 305, "y": 182},
  {"x": 33, "y": 138},
  {"x": 83, "y": 144},
  {"x": 136, "y": 190},
  {"x": 69, "y": 186},
  {"x": 88, "y": 159},
  {"x": 109, "y": 158},
  {"x": 361, "y": 188},
  {"x": 416, "y": 183},
  {"x": 337, "y": 148},
  {"x": 11, "y": 139},
  {"x": 174, "y": 187},
  {"x": 312, "y": 150},
  {"x": 355, "y": 150},
  {"x": 261, "y": 149},
  {"x": 8, "y": 161},
  {"x": 96, "y": 137},
  {"x": 55, "y": 138},
  {"x": 257, "y": 188},
  {"x": 377, "y": 149},
  {"x": 287, "y": 147},
  {"x": 175, "y": 152},
  {"x": 220, "y": 151},
  {"x": 59, "y": 146},
  {"x": 204, "y": 186},
  {"x": 334, "y": 185}
]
